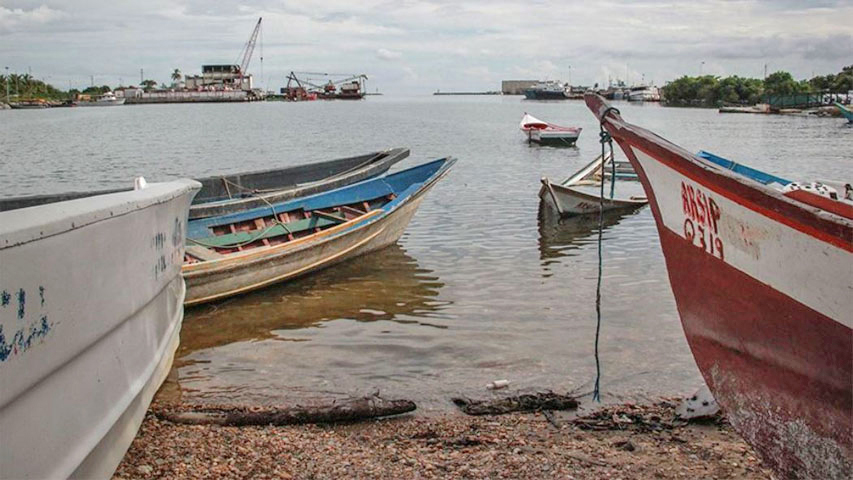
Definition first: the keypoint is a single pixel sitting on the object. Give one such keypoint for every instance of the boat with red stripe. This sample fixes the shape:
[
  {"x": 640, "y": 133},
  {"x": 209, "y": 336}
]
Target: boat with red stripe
[{"x": 762, "y": 273}]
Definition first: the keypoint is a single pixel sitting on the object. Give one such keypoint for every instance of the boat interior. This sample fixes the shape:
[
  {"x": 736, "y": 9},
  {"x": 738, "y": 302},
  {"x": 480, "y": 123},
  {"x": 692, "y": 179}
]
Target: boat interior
[{"x": 276, "y": 224}]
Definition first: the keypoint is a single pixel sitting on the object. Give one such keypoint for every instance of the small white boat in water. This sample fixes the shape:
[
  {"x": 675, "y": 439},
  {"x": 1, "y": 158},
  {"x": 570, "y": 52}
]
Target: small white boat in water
[
  {"x": 545, "y": 133},
  {"x": 108, "y": 99},
  {"x": 579, "y": 194},
  {"x": 91, "y": 305}
]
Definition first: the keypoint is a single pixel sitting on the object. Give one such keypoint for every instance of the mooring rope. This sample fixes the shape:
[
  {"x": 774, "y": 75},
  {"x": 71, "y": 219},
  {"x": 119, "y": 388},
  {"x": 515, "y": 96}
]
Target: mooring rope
[{"x": 606, "y": 141}]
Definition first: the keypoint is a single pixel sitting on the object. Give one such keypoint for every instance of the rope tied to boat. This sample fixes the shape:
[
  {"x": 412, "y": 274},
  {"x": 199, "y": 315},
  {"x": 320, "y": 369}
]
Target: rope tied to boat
[{"x": 606, "y": 142}]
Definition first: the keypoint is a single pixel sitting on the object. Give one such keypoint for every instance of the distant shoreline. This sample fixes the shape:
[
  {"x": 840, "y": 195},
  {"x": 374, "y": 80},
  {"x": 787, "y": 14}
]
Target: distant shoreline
[{"x": 468, "y": 93}]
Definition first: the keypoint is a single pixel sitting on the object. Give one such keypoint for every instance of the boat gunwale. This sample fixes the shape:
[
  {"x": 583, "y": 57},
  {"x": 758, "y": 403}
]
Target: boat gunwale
[
  {"x": 815, "y": 222},
  {"x": 371, "y": 160},
  {"x": 587, "y": 196},
  {"x": 238, "y": 260},
  {"x": 92, "y": 214}
]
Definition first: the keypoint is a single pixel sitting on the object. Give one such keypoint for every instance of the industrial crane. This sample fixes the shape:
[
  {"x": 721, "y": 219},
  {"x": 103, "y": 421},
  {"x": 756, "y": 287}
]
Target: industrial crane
[
  {"x": 352, "y": 85},
  {"x": 249, "y": 49}
]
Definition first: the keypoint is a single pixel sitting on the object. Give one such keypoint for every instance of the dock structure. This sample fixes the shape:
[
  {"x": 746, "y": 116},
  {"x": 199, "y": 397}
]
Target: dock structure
[{"x": 189, "y": 96}]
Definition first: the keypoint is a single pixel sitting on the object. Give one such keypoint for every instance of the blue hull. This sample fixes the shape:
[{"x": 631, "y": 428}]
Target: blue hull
[{"x": 401, "y": 185}]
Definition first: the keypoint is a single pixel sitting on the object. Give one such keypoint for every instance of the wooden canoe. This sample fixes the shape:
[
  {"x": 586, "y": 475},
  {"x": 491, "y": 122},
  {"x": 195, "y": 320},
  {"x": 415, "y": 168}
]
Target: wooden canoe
[
  {"x": 237, "y": 253},
  {"x": 579, "y": 195},
  {"x": 762, "y": 281},
  {"x": 224, "y": 194}
]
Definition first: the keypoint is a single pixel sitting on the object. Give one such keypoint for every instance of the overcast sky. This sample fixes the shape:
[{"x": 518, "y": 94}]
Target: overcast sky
[{"x": 418, "y": 46}]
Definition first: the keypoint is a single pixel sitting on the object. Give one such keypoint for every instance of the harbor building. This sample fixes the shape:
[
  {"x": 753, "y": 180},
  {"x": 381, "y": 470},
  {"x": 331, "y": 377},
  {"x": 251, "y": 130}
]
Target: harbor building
[
  {"x": 219, "y": 77},
  {"x": 516, "y": 87}
]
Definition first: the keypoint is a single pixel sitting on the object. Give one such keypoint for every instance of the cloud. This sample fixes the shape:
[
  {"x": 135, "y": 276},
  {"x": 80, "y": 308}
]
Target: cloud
[
  {"x": 420, "y": 45},
  {"x": 385, "y": 54},
  {"x": 20, "y": 19}
]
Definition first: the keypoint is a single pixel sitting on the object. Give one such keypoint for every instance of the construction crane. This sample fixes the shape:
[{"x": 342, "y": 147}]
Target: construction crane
[
  {"x": 351, "y": 85},
  {"x": 249, "y": 49}
]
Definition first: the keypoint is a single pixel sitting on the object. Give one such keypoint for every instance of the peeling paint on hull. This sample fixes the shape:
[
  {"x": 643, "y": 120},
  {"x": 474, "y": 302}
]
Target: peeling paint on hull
[{"x": 769, "y": 327}]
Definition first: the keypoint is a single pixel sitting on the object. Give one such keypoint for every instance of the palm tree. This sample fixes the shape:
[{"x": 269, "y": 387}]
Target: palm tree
[{"x": 176, "y": 75}]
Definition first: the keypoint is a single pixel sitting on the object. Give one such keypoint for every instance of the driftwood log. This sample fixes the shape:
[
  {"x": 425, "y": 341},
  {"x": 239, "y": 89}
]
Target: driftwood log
[
  {"x": 528, "y": 402},
  {"x": 340, "y": 411}
]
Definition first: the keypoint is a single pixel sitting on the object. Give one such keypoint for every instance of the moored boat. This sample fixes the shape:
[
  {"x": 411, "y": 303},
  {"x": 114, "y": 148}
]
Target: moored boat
[
  {"x": 32, "y": 104},
  {"x": 545, "y": 133},
  {"x": 644, "y": 93},
  {"x": 224, "y": 194},
  {"x": 550, "y": 90},
  {"x": 761, "y": 276},
  {"x": 232, "y": 254},
  {"x": 91, "y": 304},
  {"x": 108, "y": 99},
  {"x": 580, "y": 194}
]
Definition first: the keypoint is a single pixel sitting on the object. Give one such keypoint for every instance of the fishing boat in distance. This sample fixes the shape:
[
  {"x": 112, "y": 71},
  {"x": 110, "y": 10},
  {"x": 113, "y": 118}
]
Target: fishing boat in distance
[
  {"x": 580, "y": 193},
  {"x": 545, "y": 133},
  {"x": 91, "y": 305},
  {"x": 232, "y": 254},
  {"x": 846, "y": 112},
  {"x": 644, "y": 93},
  {"x": 550, "y": 90},
  {"x": 761, "y": 275},
  {"x": 108, "y": 99},
  {"x": 224, "y": 194}
]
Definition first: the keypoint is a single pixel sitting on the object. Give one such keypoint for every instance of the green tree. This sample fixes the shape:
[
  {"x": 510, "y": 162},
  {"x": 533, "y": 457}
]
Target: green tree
[
  {"x": 176, "y": 75},
  {"x": 781, "y": 83},
  {"x": 148, "y": 85}
]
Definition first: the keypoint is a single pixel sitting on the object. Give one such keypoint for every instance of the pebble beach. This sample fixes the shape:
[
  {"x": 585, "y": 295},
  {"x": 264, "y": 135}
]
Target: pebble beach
[{"x": 624, "y": 441}]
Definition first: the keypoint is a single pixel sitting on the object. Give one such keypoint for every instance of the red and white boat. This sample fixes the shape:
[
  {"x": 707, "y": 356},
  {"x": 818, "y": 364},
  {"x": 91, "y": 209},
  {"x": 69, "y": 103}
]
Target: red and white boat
[
  {"x": 545, "y": 133},
  {"x": 763, "y": 281}
]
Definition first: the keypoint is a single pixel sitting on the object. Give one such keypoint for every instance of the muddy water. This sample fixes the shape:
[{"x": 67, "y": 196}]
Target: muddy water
[{"x": 480, "y": 287}]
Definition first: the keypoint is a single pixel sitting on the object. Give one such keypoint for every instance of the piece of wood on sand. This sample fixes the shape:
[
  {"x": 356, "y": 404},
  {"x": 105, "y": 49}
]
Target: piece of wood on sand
[
  {"x": 528, "y": 402},
  {"x": 349, "y": 410}
]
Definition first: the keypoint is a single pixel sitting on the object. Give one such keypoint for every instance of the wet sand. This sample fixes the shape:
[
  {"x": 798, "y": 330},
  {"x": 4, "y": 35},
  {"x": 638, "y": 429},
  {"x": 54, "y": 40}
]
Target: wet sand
[{"x": 624, "y": 441}]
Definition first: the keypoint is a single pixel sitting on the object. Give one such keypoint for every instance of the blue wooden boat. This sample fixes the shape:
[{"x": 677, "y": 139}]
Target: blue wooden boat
[
  {"x": 224, "y": 194},
  {"x": 848, "y": 114},
  {"x": 236, "y": 253}
]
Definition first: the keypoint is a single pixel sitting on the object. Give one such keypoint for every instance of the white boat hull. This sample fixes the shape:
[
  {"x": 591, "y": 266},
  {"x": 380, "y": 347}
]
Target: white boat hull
[
  {"x": 102, "y": 103},
  {"x": 546, "y": 136},
  {"x": 568, "y": 201},
  {"x": 91, "y": 312}
]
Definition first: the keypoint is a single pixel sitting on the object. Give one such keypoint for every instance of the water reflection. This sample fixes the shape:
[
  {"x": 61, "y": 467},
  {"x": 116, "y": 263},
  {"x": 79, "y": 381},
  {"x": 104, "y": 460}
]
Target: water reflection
[
  {"x": 379, "y": 286},
  {"x": 562, "y": 237}
]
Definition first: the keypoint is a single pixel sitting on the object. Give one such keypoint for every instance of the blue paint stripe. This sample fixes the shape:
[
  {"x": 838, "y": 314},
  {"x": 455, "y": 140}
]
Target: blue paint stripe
[
  {"x": 743, "y": 170},
  {"x": 399, "y": 183}
]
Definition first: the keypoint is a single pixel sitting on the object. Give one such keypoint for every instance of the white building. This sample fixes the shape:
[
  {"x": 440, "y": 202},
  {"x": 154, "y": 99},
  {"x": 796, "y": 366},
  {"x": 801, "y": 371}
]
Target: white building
[{"x": 219, "y": 77}]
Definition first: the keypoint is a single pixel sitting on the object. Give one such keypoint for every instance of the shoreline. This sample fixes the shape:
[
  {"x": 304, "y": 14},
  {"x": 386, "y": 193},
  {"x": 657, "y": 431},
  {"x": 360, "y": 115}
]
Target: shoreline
[{"x": 614, "y": 441}]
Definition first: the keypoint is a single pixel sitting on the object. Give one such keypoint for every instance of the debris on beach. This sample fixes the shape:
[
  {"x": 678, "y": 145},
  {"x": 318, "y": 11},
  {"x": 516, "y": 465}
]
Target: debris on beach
[
  {"x": 700, "y": 406},
  {"x": 528, "y": 402},
  {"x": 518, "y": 446},
  {"x": 349, "y": 410}
]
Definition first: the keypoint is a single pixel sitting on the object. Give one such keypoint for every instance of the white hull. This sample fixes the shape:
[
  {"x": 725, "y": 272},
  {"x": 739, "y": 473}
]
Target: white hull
[
  {"x": 84, "y": 353},
  {"x": 102, "y": 103},
  {"x": 546, "y": 136},
  {"x": 579, "y": 194},
  {"x": 571, "y": 201}
]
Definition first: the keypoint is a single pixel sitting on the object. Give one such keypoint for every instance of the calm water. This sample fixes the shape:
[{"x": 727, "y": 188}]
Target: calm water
[{"x": 479, "y": 287}]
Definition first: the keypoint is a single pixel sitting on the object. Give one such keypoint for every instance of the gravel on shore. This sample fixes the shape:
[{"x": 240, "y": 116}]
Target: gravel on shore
[{"x": 624, "y": 441}]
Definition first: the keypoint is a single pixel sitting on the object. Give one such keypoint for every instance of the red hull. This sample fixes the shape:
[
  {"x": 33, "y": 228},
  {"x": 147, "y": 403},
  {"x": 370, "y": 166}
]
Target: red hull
[
  {"x": 782, "y": 371},
  {"x": 772, "y": 363}
]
